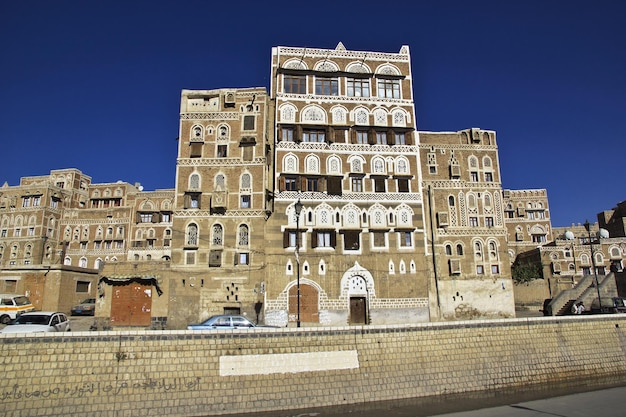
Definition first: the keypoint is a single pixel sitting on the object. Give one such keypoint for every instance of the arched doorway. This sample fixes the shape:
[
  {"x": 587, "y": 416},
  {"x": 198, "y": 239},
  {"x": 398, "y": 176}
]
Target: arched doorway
[
  {"x": 358, "y": 300},
  {"x": 309, "y": 305}
]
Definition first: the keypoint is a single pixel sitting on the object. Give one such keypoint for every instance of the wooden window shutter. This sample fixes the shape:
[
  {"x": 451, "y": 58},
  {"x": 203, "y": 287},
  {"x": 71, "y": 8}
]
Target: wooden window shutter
[
  {"x": 371, "y": 137},
  {"x": 353, "y": 136},
  {"x": 187, "y": 201},
  {"x": 314, "y": 239},
  {"x": 302, "y": 184},
  {"x": 321, "y": 184},
  {"x": 330, "y": 134},
  {"x": 298, "y": 134},
  {"x": 408, "y": 136},
  {"x": 391, "y": 137},
  {"x": 333, "y": 239},
  {"x": 281, "y": 183},
  {"x": 286, "y": 239}
]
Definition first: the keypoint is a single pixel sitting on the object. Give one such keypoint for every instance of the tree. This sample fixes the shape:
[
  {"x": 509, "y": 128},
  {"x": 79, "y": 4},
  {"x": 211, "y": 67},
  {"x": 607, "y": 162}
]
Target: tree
[{"x": 526, "y": 271}]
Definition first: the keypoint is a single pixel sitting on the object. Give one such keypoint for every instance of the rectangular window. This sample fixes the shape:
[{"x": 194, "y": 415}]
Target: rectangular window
[
  {"x": 248, "y": 122},
  {"x": 389, "y": 88},
  {"x": 381, "y": 138},
  {"x": 495, "y": 269},
  {"x": 54, "y": 202},
  {"x": 357, "y": 184},
  {"x": 25, "y": 201},
  {"x": 351, "y": 240},
  {"x": 312, "y": 184},
  {"x": 314, "y": 136},
  {"x": 146, "y": 217},
  {"x": 166, "y": 217},
  {"x": 222, "y": 151},
  {"x": 379, "y": 185},
  {"x": 539, "y": 238},
  {"x": 403, "y": 185},
  {"x": 361, "y": 136},
  {"x": 488, "y": 177},
  {"x": 294, "y": 84},
  {"x": 480, "y": 270},
  {"x": 195, "y": 150},
  {"x": 474, "y": 176},
  {"x": 245, "y": 202},
  {"x": 291, "y": 184},
  {"x": 82, "y": 286},
  {"x": 97, "y": 244},
  {"x": 358, "y": 87},
  {"x": 215, "y": 258},
  {"x": 324, "y": 239},
  {"x": 489, "y": 221},
  {"x": 190, "y": 258},
  {"x": 378, "y": 240},
  {"x": 107, "y": 244},
  {"x": 18, "y": 232},
  {"x": 242, "y": 259},
  {"x": 36, "y": 201},
  {"x": 326, "y": 86},
  {"x": 290, "y": 238},
  {"x": 3, "y": 233},
  {"x": 83, "y": 245},
  {"x": 473, "y": 221},
  {"x": 31, "y": 231},
  {"x": 400, "y": 139},
  {"x": 287, "y": 134},
  {"x": 334, "y": 185},
  {"x": 406, "y": 240},
  {"x": 119, "y": 244}
]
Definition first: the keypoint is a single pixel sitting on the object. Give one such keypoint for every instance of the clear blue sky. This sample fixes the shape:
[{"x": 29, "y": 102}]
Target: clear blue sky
[{"x": 95, "y": 85}]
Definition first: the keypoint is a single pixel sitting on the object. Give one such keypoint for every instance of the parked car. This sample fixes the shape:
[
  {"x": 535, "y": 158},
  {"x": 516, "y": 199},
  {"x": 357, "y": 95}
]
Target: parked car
[
  {"x": 12, "y": 305},
  {"x": 87, "y": 307},
  {"x": 224, "y": 322},
  {"x": 39, "y": 322}
]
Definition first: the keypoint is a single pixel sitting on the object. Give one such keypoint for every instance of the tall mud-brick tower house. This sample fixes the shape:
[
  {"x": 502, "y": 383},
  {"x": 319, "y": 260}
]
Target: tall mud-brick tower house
[
  {"x": 467, "y": 230},
  {"x": 346, "y": 150},
  {"x": 221, "y": 205}
]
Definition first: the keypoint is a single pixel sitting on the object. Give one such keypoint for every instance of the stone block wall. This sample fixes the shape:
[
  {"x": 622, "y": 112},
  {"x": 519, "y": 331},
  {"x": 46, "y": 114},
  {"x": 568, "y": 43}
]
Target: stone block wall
[{"x": 184, "y": 373}]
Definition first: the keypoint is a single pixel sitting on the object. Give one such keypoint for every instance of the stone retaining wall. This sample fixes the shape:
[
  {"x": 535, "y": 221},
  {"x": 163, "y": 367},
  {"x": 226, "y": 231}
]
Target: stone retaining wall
[{"x": 180, "y": 373}]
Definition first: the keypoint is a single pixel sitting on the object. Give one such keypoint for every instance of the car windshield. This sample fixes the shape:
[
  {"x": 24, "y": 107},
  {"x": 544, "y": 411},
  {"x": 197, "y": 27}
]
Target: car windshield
[
  {"x": 32, "y": 319},
  {"x": 22, "y": 301}
]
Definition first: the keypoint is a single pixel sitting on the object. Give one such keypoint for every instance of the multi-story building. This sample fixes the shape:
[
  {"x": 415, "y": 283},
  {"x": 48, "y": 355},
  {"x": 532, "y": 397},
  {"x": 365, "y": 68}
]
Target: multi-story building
[
  {"x": 346, "y": 156},
  {"x": 527, "y": 218},
  {"x": 221, "y": 206},
  {"x": 467, "y": 231},
  {"x": 317, "y": 204}
]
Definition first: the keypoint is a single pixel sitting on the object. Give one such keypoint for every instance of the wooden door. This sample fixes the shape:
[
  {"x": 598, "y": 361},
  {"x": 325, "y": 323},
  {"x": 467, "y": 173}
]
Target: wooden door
[
  {"x": 309, "y": 308},
  {"x": 358, "y": 310},
  {"x": 131, "y": 305}
]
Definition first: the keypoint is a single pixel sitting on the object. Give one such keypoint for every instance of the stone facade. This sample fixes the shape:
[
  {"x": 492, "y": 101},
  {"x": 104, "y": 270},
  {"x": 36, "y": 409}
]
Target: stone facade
[
  {"x": 395, "y": 225},
  {"x": 467, "y": 233},
  {"x": 346, "y": 149}
]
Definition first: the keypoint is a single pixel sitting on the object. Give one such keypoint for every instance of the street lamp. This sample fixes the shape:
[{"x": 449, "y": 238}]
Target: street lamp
[
  {"x": 593, "y": 263},
  {"x": 298, "y": 207}
]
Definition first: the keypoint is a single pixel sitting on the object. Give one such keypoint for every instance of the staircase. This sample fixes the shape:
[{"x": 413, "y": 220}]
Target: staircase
[{"x": 566, "y": 309}]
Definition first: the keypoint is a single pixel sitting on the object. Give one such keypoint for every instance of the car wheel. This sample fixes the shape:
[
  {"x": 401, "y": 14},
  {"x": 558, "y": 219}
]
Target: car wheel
[{"x": 5, "y": 319}]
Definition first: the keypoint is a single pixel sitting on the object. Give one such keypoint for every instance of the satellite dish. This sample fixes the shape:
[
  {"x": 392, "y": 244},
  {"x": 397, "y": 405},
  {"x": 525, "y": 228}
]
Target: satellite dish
[
  {"x": 140, "y": 188},
  {"x": 569, "y": 235},
  {"x": 603, "y": 234}
]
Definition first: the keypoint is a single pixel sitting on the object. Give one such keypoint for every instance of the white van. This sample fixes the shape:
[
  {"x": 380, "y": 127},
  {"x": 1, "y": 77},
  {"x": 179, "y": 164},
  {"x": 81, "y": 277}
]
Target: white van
[{"x": 12, "y": 305}]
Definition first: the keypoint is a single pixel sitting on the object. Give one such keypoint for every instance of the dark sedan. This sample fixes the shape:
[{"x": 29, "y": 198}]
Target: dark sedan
[{"x": 224, "y": 322}]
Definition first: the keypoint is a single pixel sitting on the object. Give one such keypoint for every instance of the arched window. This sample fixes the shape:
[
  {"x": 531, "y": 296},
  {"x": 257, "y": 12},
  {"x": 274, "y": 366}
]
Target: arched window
[
  {"x": 459, "y": 249},
  {"x": 192, "y": 234},
  {"x": 448, "y": 249},
  {"x": 194, "y": 181},
  {"x": 243, "y": 235},
  {"x": 246, "y": 182},
  {"x": 451, "y": 201},
  {"x": 217, "y": 235}
]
